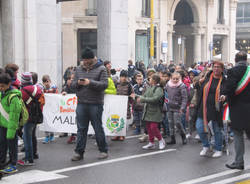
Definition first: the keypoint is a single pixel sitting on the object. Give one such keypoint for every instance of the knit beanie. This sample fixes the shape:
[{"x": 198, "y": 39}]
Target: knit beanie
[
  {"x": 26, "y": 79},
  {"x": 123, "y": 73},
  {"x": 88, "y": 53}
]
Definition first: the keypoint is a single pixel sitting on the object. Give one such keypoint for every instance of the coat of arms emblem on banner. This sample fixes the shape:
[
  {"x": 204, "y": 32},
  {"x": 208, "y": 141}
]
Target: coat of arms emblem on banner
[{"x": 115, "y": 123}]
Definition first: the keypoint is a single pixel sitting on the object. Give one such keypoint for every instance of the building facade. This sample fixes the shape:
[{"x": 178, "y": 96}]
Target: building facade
[
  {"x": 243, "y": 26},
  {"x": 30, "y": 36},
  {"x": 186, "y": 31}
]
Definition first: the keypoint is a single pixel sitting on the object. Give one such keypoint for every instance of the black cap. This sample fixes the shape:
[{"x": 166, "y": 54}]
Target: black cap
[
  {"x": 124, "y": 73},
  {"x": 88, "y": 53}
]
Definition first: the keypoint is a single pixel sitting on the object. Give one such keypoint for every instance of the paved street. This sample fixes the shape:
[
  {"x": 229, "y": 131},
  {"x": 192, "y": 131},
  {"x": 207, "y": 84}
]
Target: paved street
[{"x": 128, "y": 163}]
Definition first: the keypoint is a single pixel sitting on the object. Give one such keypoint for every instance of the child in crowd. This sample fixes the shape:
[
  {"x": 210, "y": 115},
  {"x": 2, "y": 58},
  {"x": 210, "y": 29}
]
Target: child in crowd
[
  {"x": 177, "y": 95},
  {"x": 165, "y": 76},
  {"x": 139, "y": 89},
  {"x": 124, "y": 88},
  {"x": 42, "y": 102},
  {"x": 153, "y": 111},
  {"x": 30, "y": 94},
  {"x": 150, "y": 73},
  {"x": 193, "y": 107},
  {"x": 67, "y": 89},
  {"x": 48, "y": 88},
  {"x": 9, "y": 122}
]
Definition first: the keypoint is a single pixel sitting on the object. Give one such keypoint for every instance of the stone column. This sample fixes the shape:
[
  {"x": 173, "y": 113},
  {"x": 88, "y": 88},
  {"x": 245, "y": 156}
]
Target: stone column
[
  {"x": 7, "y": 11},
  {"x": 112, "y": 33},
  {"x": 232, "y": 24},
  {"x": 170, "y": 47},
  {"x": 225, "y": 54},
  {"x": 210, "y": 23},
  {"x": 197, "y": 47},
  {"x": 171, "y": 24},
  {"x": 203, "y": 48}
]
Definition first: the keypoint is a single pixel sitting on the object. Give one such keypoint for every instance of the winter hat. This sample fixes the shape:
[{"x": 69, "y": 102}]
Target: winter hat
[
  {"x": 88, "y": 53},
  {"x": 26, "y": 78},
  {"x": 123, "y": 73}
]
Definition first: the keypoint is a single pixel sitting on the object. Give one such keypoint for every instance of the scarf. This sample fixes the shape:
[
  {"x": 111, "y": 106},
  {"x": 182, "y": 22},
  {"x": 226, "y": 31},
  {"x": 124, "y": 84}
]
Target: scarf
[
  {"x": 205, "y": 95},
  {"x": 173, "y": 85}
]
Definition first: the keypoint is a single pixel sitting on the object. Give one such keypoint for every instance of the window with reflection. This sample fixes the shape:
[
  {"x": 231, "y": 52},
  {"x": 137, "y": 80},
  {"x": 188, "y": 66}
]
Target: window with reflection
[{"x": 243, "y": 13}]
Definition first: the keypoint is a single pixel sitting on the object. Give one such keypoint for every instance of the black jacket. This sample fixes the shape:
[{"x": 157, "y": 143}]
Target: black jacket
[
  {"x": 218, "y": 116},
  {"x": 94, "y": 92},
  {"x": 239, "y": 105}
]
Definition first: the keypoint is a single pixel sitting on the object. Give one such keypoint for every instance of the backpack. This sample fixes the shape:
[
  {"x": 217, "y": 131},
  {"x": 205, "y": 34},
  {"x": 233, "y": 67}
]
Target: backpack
[
  {"x": 24, "y": 115},
  {"x": 162, "y": 99},
  {"x": 36, "y": 114}
]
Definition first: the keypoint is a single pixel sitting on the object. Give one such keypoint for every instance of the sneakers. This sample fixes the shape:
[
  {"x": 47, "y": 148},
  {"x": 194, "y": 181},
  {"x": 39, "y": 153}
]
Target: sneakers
[
  {"x": 143, "y": 138},
  {"x": 35, "y": 156},
  {"x": 77, "y": 157},
  {"x": 46, "y": 140},
  {"x": 217, "y": 154},
  {"x": 197, "y": 137},
  {"x": 10, "y": 169},
  {"x": 162, "y": 144},
  {"x": 149, "y": 146},
  {"x": 103, "y": 155},
  {"x": 51, "y": 138},
  {"x": 188, "y": 136},
  {"x": 204, "y": 151},
  {"x": 72, "y": 139},
  {"x": 25, "y": 163},
  {"x": 20, "y": 142}
]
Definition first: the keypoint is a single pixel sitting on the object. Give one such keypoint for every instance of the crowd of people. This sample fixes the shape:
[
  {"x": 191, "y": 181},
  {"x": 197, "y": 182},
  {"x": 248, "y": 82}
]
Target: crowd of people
[{"x": 162, "y": 101}]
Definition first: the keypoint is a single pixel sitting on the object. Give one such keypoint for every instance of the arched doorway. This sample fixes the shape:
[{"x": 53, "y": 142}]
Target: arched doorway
[{"x": 186, "y": 38}]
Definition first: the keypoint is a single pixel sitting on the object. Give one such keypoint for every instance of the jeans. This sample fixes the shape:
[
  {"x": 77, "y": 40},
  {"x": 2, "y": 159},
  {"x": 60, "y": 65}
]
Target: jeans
[
  {"x": 5, "y": 145},
  {"x": 153, "y": 131},
  {"x": 34, "y": 140},
  {"x": 183, "y": 119},
  {"x": 239, "y": 147},
  {"x": 84, "y": 114},
  {"x": 165, "y": 124},
  {"x": 137, "y": 118},
  {"x": 204, "y": 136},
  {"x": 27, "y": 139},
  {"x": 174, "y": 118}
]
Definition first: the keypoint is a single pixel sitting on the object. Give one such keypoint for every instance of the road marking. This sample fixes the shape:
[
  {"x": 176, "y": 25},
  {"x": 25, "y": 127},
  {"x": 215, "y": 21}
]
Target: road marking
[
  {"x": 133, "y": 136},
  {"x": 32, "y": 176},
  {"x": 209, "y": 177},
  {"x": 128, "y": 137},
  {"x": 111, "y": 161},
  {"x": 233, "y": 179}
]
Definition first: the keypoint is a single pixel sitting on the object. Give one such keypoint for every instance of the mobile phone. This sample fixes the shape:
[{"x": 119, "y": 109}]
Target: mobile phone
[{"x": 82, "y": 79}]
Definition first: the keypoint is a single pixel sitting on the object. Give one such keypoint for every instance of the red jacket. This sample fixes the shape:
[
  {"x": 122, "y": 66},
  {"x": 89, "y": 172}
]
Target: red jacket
[{"x": 34, "y": 90}]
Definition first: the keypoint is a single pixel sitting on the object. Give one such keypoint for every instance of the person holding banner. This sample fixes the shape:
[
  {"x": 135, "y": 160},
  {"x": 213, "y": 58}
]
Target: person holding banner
[
  {"x": 90, "y": 81},
  {"x": 237, "y": 93}
]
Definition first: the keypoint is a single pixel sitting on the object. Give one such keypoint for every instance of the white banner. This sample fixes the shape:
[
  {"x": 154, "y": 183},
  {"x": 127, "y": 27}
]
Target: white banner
[{"x": 59, "y": 114}]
